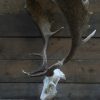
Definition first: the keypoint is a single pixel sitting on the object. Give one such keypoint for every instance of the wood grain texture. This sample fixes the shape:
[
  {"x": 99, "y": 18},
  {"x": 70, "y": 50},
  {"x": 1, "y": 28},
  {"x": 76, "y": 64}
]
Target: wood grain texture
[
  {"x": 76, "y": 71},
  {"x": 22, "y": 48},
  {"x": 17, "y": 25},
  {"x": 22, "y": 25},
  {"x": 15, "y": 55},
  {"x": 94, "y": 6},
  {"x": 32, "y": 91},
  {"x": 11, "y": 6},
  {"x": 15, "y": 6},
  {"x": 19, "y": 38}
]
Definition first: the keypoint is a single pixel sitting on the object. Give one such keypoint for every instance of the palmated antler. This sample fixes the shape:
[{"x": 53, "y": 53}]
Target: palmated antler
[
  {"x": 40, "y": 15},
  {"x": 77, "y": 15}
]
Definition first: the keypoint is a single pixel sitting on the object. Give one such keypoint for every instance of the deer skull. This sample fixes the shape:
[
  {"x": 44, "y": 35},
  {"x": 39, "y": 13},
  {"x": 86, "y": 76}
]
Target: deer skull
[{"x": 50, "y": 83}]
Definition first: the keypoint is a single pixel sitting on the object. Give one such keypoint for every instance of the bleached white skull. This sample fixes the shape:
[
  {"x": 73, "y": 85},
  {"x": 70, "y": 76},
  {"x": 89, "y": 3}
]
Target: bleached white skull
[{"x": 50, "y": 83}]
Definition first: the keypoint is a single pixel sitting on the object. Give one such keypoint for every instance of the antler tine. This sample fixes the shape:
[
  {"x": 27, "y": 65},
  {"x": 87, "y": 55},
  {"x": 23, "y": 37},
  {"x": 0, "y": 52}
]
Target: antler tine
[
  {"x": 89, "y": 37},
  {"x": 40, "y": 73},
  {"x": 74, "y": 28},
  {"x": 77, "y": 18},
  {"x": 45, "y": 26},
  {"x": 46, "y": 35},
  {"x": 50, "y": 70}
]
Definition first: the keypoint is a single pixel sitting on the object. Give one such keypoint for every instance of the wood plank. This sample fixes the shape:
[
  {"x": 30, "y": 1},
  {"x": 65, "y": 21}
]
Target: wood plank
[
  {"x": 22, "y": 48},
  {"x": 32, "y": 91},
  {"x": 94, "y": 5},
  {"x": 76, "y": 71},
  {"x": 17, "y": 25},
  {"x": 13, "y": 6},
  {"x": 14, "y": 56},
  {"x": 22, "y": 25}
]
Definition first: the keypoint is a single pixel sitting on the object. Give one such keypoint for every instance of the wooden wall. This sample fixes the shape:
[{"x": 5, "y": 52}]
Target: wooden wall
[{"x": 19, "y": 37}]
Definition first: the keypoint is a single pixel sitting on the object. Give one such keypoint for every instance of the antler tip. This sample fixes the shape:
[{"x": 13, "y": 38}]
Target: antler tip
[
  {"x": 89, "y": 37},
  {"x": 23, "y": 71}
]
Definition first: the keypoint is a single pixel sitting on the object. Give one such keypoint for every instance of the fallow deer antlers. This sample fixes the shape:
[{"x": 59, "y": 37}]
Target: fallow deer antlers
[{"x": 77, "y": 15}]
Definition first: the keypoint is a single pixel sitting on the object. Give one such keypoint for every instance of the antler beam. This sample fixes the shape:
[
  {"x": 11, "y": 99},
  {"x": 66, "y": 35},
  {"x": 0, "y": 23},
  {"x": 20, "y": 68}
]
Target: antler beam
[
  {"x": 38, "y": 11},
  {"x": 77, "y": 15}
]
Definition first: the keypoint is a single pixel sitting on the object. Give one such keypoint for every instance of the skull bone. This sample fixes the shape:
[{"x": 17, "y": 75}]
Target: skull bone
[{"x": 50, "y": 83}]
